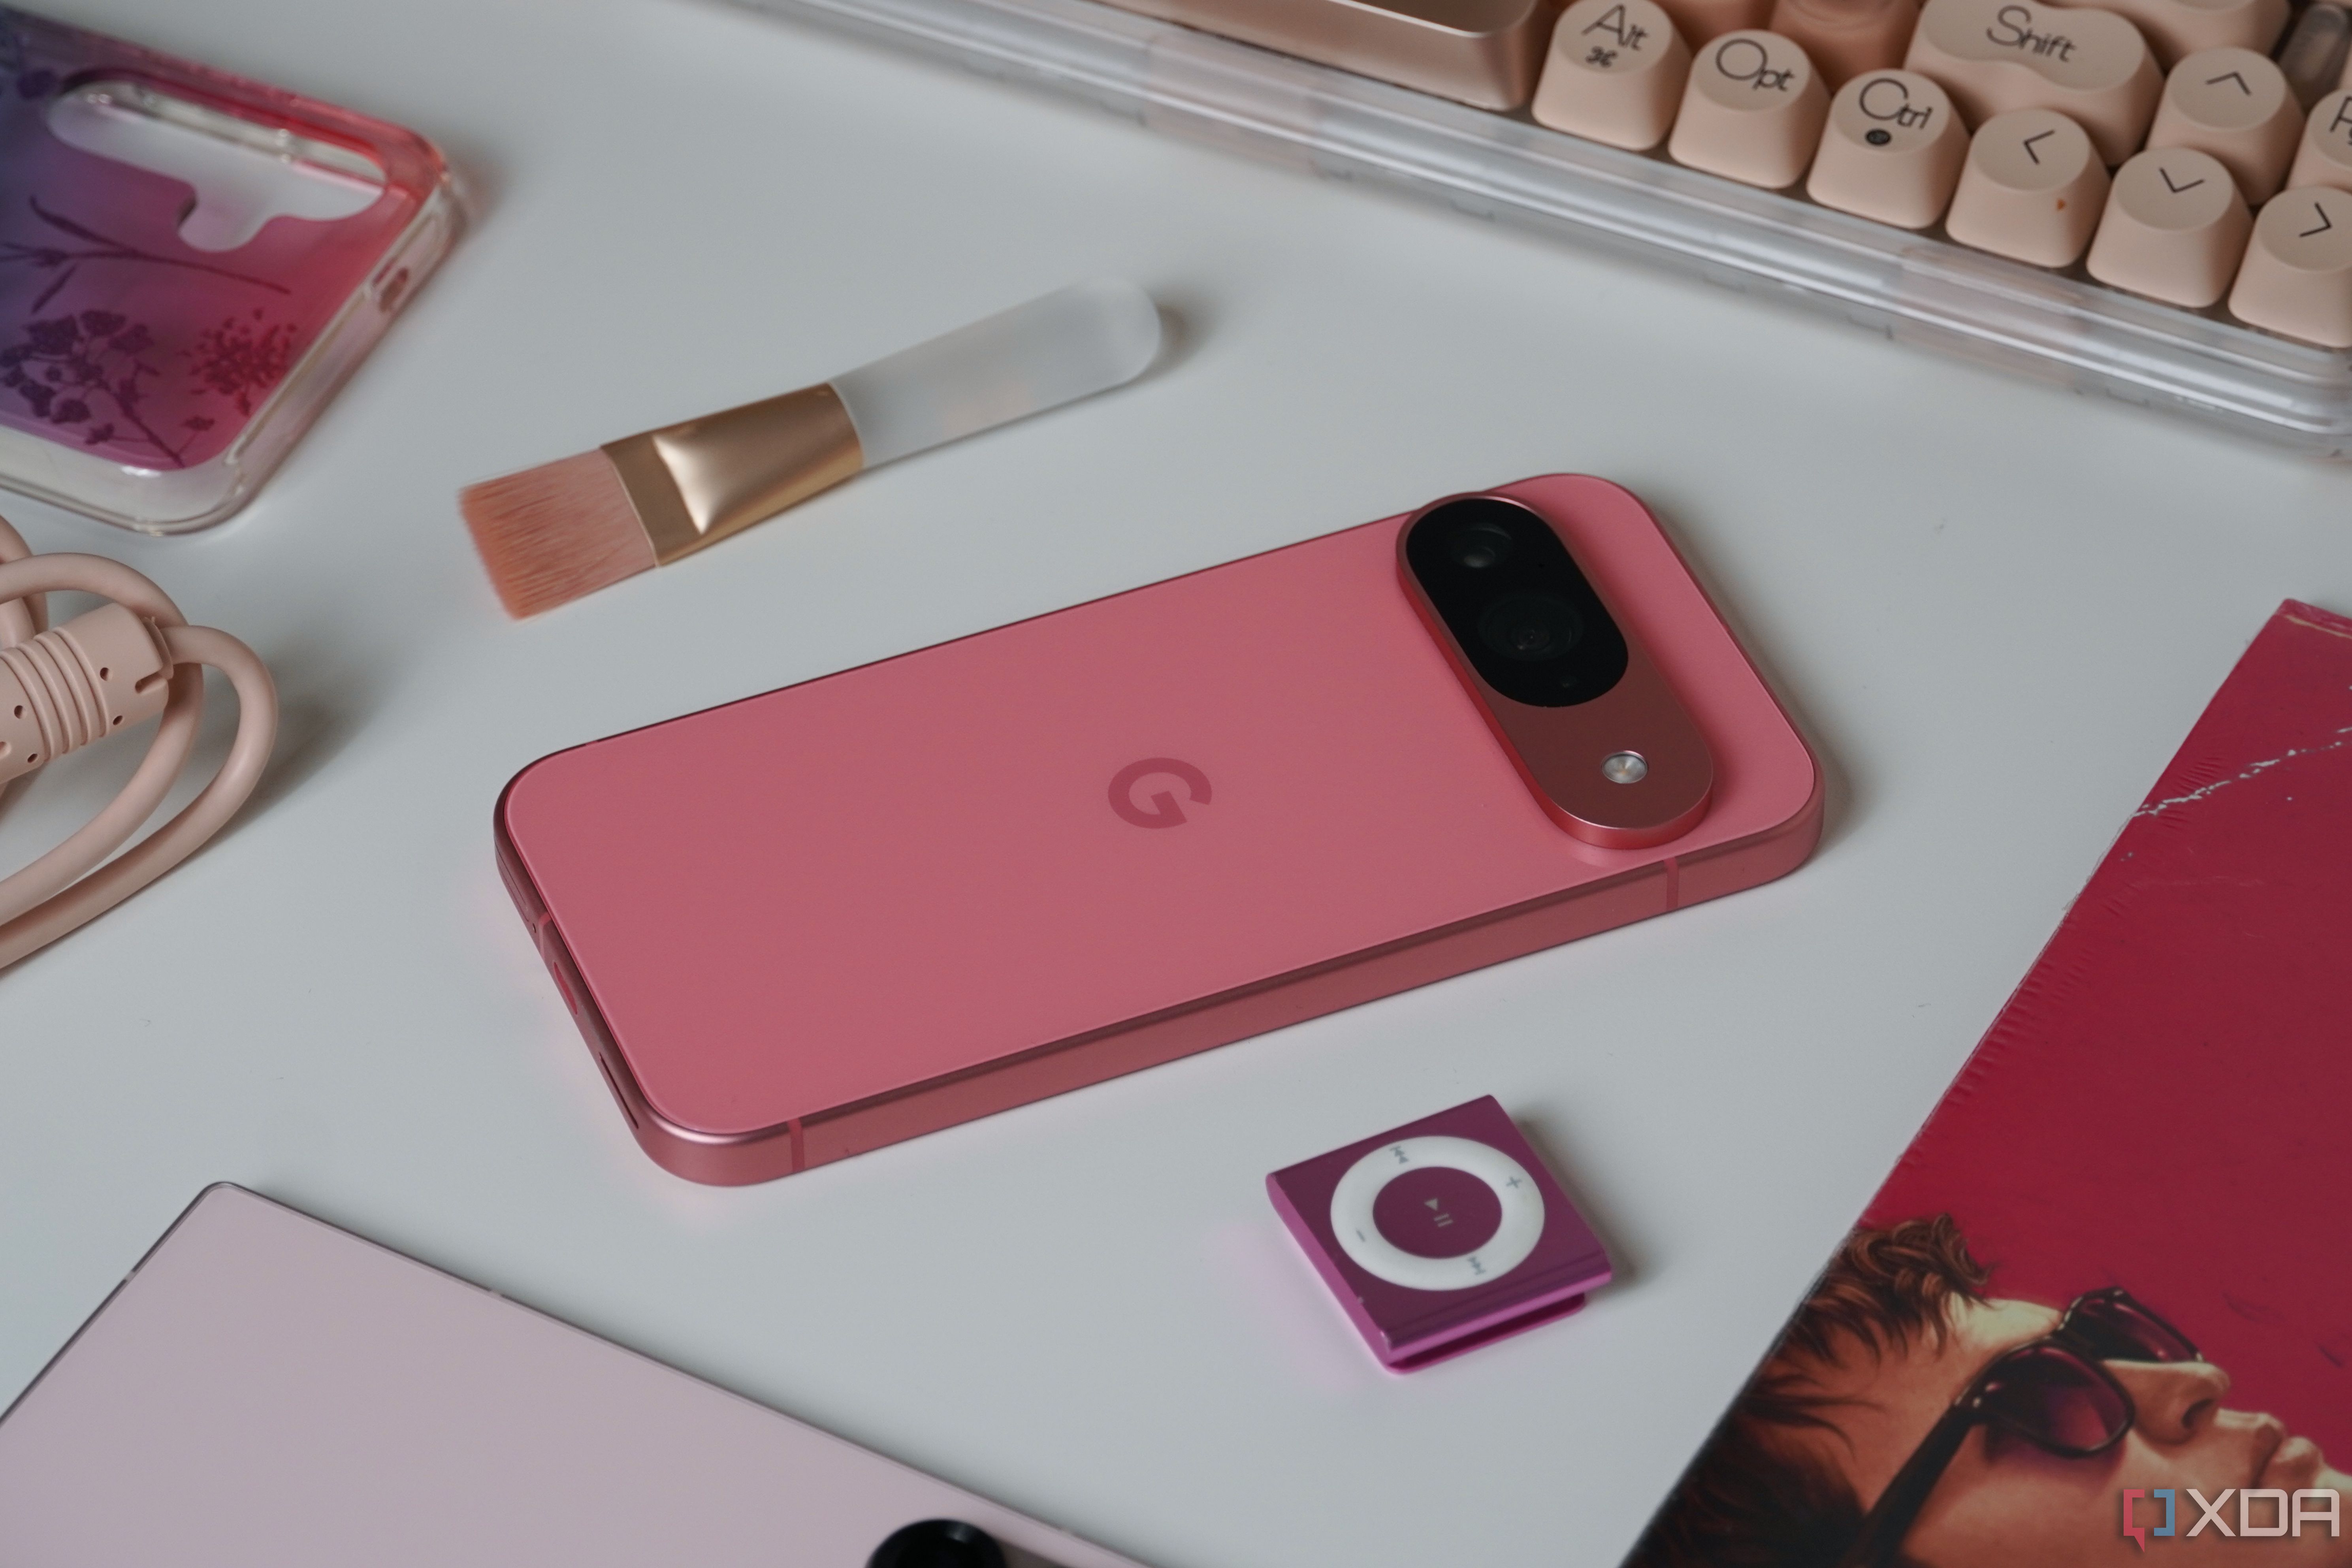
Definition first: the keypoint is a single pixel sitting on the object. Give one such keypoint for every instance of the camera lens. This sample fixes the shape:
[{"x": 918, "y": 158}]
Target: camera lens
[
  {"x": 939, "y": 1543},
  {"x": 1512, "y": 601},
  {"x": 1479, "y": 545},
  {"x": 1531, "y": 627}
]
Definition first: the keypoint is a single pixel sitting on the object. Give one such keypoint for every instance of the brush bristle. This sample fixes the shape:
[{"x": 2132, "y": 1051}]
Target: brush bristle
[{"x": 556, "y": 533}]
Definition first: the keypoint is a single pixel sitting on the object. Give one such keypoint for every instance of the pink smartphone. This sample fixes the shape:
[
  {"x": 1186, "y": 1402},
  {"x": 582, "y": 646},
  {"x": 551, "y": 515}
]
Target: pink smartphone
[
  {"x": 266, "y": 1391},
  {"x": 819, "y": 921}
]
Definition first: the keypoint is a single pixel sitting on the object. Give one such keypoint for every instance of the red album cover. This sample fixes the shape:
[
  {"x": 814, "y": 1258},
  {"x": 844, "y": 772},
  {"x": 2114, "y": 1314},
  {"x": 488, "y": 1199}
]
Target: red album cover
[{"x": 2102, "y": 1312}]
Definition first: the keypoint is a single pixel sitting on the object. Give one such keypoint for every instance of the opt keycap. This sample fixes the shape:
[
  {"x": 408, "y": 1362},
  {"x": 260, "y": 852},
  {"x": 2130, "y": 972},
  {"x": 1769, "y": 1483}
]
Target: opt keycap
[
  {"x": 2236, "y": 105},
  {"x": 2033, "y": 188},
  {"x": 2324, "y": 155},
  {"x": 1753, "y": 112},
  {"x": 2174, "y": 228},
  {"x": 1993, "y": 56},
  {"x": 2297, "y": 277},
  {"x": 1892, "y": 150},
  {"x": 1615, "y": 73}
]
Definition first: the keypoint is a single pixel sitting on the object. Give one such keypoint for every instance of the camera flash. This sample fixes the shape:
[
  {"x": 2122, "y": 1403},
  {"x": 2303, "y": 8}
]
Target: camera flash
[{"x": 1624, "y": 767}]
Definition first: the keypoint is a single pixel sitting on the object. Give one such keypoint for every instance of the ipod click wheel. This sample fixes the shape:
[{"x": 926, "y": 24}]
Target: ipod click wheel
[{"x": 1442, "y": 1235}]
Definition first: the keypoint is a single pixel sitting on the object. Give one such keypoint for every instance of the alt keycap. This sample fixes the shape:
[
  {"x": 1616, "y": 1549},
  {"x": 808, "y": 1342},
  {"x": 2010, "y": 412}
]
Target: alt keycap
[{"x": 1615, "y": 73}]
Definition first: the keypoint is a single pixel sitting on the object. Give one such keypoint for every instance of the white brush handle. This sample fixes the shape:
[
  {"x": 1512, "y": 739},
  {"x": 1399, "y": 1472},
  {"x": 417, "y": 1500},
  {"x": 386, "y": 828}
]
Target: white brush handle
[{"x": 1074, "y": 343}]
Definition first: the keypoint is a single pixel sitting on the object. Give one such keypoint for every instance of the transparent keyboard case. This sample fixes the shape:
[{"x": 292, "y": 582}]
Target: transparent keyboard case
[{"x": 2059, "y": 327}]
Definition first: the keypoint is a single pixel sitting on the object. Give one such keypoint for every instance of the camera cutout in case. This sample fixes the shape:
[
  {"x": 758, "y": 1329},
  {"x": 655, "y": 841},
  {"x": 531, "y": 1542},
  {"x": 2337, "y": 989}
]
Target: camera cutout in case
[
  {"x": 190, "y": 264},
  {"x": 1442, "y": 1235}
]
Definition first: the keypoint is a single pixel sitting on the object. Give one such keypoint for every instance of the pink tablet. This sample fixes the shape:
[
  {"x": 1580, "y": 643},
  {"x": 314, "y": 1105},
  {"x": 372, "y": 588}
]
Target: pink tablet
[{"x": 266, "y": 1391}]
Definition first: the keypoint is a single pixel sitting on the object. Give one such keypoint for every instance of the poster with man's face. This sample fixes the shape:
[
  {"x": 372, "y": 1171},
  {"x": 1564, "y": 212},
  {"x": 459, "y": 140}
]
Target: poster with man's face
[{"x": 2102, "y": 1312}]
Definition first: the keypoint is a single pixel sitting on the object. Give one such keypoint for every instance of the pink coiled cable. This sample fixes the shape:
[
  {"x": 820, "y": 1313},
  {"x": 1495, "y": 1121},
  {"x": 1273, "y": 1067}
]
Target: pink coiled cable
[{"x": 63, "y": 688}]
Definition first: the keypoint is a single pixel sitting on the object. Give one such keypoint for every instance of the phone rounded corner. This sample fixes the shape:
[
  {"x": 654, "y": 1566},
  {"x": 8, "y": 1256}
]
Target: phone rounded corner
[
  {"x": 705, "y": 1164},
  {"x": 1803, "y": 827},
  {"x": 694, "y": 1154},
  {"x": 1764, "y": 856},
  {"x": 513, "y": 798},
  {"x": 502, "y": 809}
]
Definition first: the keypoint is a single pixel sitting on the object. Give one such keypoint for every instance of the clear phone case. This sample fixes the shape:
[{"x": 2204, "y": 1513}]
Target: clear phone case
[
  {"x": 2057, "y": 326},
  {"x": 190, "y": 263}
]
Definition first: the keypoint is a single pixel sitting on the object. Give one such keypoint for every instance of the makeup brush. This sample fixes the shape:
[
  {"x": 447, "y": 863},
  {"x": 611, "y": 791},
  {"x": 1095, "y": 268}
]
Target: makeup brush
[{"x": 554, "y": 534}]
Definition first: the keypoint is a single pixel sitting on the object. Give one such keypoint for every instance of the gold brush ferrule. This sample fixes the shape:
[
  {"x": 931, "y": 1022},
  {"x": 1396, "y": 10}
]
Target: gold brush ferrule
[{"x": 695, "y": 483}]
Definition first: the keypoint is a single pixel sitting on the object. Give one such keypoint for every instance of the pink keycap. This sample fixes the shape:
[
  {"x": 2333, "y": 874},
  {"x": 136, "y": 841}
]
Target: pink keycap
[
  {"x": 1892, "y": 150},
  {"x": 2032, "y": 189},
  {"x": 2323, "y": 156},
  {"x": 1753, "y": 112},
  {"x": 2234, "y": 104},
  {"x": 1994, "y": 55},
  {"x": 2174, "y": 228},
  {"x": 1615, "y": 73},
  {"x": 2297, "y": 277}
]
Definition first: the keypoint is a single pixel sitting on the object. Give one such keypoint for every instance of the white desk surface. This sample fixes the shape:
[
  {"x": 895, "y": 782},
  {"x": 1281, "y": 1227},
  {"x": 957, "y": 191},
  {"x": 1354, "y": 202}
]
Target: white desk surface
[{"x": 1994, "y": 609}]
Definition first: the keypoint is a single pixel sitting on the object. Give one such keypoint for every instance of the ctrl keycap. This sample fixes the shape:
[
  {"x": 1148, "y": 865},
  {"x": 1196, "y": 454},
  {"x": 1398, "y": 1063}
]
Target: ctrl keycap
[
  {"x": 2032, "y": 189},
  {"x": 2174, "y": 230},
  {"x": 1892, "y": 150},
  {"x": 2297, "y": 277},
  {"x": 1753, "y": 111},
  {"x": 1615, "y": 74}
]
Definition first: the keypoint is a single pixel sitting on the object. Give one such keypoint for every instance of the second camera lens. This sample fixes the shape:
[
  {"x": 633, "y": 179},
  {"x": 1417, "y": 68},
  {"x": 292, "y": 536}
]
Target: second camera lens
[{"x": 1531, "y": 627}]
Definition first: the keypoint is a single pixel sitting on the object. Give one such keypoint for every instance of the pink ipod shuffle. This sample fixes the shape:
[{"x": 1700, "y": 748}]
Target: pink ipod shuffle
[{"x": 1442, "y": 1235}]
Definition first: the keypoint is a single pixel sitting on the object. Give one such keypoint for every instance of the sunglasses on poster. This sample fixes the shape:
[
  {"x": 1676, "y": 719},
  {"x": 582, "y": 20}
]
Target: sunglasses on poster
[{"x": 2054, "y": 1392}]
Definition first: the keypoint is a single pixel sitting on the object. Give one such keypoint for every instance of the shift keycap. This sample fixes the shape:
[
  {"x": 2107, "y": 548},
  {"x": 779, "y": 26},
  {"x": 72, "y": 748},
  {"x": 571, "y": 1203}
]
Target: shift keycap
[{"x": 1994, "y": 55}]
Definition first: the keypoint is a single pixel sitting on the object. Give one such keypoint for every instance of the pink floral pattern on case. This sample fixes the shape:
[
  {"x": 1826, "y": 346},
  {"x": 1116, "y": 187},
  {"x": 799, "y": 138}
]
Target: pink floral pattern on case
[{"x": 115, "y": 336}]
